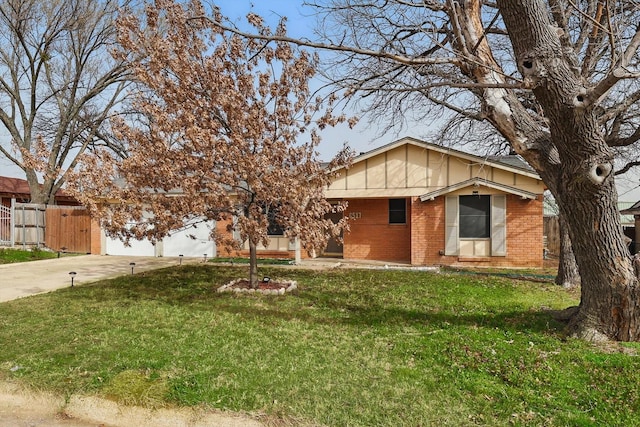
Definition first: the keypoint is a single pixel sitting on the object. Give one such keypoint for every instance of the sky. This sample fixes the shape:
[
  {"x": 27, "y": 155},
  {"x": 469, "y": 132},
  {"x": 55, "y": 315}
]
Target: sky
[
  {"x": 364, "y": 136},
  {"x": 300, "y": 23}
]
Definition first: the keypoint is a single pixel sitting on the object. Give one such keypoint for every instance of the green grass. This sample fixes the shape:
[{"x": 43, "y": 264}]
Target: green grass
[
  {"x": 348, "y": 348},
  {"x": 9, "y": 255}
]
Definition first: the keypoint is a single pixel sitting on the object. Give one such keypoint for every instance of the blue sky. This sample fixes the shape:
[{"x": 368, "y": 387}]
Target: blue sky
[{"x": 300, "y": 23}]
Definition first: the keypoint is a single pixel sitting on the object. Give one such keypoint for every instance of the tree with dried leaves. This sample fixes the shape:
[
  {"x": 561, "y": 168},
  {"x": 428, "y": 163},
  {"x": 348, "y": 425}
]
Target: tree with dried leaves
[
  {"x": 225, "y": 116},
  {"x": 58, "y": 85},
  {"x": 557, "y": 79}
]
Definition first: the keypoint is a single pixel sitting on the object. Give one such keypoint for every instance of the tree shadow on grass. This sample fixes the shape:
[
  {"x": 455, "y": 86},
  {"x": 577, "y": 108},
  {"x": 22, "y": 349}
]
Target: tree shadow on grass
[
  {"x": 358, "y": 304},
  {"x": 375, "y": 316}
]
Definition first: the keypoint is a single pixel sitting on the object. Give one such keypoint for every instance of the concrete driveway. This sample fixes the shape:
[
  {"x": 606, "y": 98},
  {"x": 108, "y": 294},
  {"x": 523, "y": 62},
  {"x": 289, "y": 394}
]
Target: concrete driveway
[{"x": 36, "y": 277}]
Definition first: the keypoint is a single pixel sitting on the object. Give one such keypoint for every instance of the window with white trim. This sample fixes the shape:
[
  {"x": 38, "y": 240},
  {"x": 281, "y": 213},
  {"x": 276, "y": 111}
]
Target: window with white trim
[{"x": 475, "y": 217}]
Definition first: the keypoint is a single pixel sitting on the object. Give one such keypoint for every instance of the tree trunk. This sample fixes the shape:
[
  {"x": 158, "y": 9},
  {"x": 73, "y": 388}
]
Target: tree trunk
[
  {"x": 35, "y": 189},
  {"x": 568, "y": 276},
  {"x": 40, "y": 193},
  {"x": 584, "y": 184},
  {"x": 253, "y": 264}
]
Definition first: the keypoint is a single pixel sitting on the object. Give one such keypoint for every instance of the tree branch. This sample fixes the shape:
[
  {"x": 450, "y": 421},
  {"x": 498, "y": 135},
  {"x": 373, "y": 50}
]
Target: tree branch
[{"x": 401, "y": 59}]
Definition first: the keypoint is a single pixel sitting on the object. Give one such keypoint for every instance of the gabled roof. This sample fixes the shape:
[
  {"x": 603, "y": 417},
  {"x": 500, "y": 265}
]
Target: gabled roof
[
  {"x": 477, "y": 182},
  {"x": 509, "y": 163},
  {"x": 626, "y": 219}
]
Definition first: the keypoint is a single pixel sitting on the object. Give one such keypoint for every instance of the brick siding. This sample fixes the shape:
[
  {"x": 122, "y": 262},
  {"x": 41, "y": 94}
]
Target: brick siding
[
  {"x": 372, "y": 237},
  {"x": 524, "y": 235},
  {"x": 422, "y": 239}
]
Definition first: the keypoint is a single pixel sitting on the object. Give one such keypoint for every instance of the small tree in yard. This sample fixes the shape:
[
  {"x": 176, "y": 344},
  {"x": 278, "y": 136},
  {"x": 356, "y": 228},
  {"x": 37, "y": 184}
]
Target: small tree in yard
[{"x": 223, "y": 119}]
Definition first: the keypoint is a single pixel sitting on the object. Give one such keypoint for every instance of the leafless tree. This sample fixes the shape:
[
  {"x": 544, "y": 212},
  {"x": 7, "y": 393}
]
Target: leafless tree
[
  {"x": 58, "y": 85},
  {"x": 557, "y": 79}
]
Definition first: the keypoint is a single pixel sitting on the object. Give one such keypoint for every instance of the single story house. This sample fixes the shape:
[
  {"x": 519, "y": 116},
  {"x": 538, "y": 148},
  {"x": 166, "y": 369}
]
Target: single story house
[
  {"x": 423, "y": 204},
  {"x": 410, "y": 202}
]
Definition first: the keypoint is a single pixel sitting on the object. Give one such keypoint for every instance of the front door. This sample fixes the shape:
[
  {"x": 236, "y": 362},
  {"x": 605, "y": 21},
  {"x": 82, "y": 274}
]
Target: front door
[{"x": 334, "y": 249}]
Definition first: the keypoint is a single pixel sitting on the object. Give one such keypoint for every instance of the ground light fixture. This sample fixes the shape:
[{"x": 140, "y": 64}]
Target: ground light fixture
[
  {"x": 181, "y": 256},
  {"x": 132, "y": 264},
  {"x": 72, "y": 274},
  {"x": 205, "y": 257}
]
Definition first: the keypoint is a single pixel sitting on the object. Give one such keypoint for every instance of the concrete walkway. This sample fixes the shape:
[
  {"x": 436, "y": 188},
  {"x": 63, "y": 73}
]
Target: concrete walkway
[{"x": 35, "y": 277}]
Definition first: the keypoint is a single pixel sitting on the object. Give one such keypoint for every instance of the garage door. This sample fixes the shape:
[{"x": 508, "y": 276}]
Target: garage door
[
  {"x": 137, "y": 248},
  {"x": 192, "y": 242}
]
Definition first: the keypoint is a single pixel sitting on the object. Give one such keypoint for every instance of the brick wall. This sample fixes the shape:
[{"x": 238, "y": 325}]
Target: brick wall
[
  {"x": 372, "y": 237},
  {"x": 524, "y": 232},
  {"x": 427, "y": 233},
  {"x": 96, "y": 237},
  {"x": 420, "y": 241},
  {"x": 524, "y": 235}
]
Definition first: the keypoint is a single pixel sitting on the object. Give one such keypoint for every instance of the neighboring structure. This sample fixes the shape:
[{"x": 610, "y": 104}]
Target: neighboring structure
[
  {"x": 18, "y": 189},
  {"x": 23, "y": 223},
  {"x": 631, "y": 212},
  {"x": 552, "y": 227}
]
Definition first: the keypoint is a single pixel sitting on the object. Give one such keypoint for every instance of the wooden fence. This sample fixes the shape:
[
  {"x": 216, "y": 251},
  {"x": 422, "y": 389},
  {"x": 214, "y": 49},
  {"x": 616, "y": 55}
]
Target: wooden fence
[
  {"x": 68, "y": 229},
  {"x": 29, "y": 224},
  {"x": 552, "y": 234},
  {"x": 59, "y": 228}
]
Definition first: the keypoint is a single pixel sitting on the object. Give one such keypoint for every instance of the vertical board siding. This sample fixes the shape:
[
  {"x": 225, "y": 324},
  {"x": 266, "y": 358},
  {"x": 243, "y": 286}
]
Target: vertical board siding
[{"x": 68, "y": 229}]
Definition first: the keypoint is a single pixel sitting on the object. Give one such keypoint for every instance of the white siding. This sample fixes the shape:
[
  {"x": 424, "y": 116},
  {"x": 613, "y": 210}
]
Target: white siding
[{"x": 451, "y": 226}]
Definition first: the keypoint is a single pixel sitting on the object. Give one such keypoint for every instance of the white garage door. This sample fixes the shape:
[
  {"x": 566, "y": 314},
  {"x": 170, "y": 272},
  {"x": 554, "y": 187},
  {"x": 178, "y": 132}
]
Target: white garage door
[
  {"x": 137, "y": 248},
  {"x": 182, "y": 243}
]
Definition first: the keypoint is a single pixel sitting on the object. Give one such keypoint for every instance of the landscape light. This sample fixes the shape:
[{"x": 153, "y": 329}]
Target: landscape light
[
  {"x": 132, "y": 264},
  {"x": 205, "y": 257},
  {"x": 180, "y": 258},
  {"x": 72, "y": 274}
]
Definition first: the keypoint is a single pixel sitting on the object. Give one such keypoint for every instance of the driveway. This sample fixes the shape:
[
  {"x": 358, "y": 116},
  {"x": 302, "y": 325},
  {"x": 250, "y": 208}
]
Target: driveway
[{"x": 36, "y": 277}]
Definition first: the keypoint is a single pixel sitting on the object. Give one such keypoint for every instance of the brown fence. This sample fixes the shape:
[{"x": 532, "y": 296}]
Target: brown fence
[
  {"x": 552, "y": 234},
  {"x": 68, "y": 229}
]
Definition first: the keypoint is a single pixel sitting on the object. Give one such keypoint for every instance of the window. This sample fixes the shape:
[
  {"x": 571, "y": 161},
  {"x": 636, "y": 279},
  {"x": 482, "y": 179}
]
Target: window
[
  {"x": 475, "y": 217},
  {"x": 397, "y": 211},
  {"x": 273, "y": 229}
]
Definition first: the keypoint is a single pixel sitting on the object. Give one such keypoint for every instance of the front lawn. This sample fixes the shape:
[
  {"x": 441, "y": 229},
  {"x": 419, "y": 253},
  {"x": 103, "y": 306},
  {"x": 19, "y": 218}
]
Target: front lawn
[
  {"x": 10, "y": 255},
  {"x": 348, "y": 348}
]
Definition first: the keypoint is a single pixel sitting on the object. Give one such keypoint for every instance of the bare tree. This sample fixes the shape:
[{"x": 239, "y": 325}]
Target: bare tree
[
  {"x": 557, "y": 79},
  {"x": 58, "y": 85},
  {"x": 224, "y": 142}
]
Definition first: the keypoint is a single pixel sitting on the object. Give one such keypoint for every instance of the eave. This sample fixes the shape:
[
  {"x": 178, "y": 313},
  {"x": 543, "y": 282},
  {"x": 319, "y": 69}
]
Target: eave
[{"x": 478, "y": 182}]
